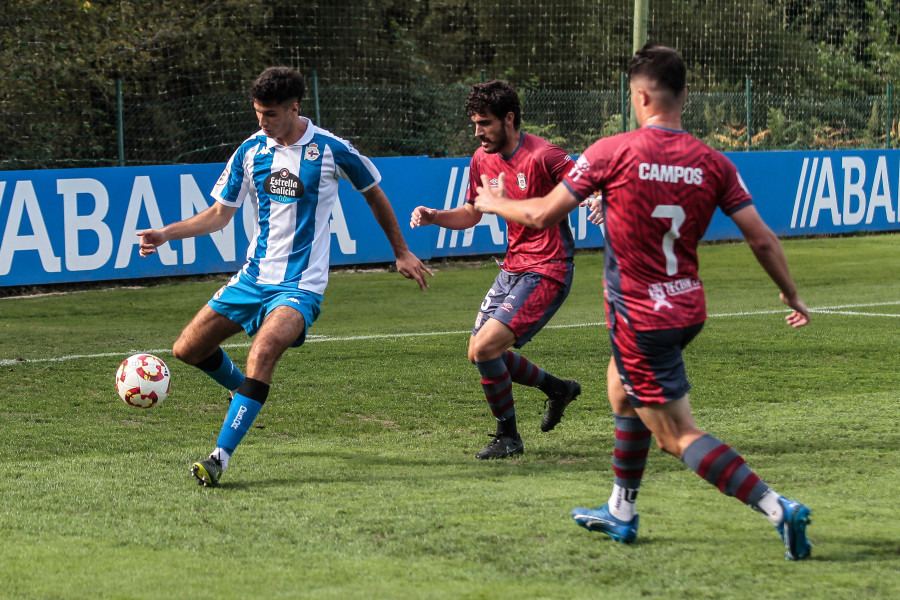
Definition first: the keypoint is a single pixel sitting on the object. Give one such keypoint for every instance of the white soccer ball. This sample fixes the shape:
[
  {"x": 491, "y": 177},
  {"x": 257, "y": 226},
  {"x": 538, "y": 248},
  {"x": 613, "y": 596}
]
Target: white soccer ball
[{"x": 143, "y": 380}]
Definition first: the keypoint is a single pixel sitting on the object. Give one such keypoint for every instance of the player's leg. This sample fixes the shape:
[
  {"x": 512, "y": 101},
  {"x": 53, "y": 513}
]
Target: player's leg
[
  {"x": 525, "y": 303},
  {"x": 631, "y": 446},
  {"x": 200, "y": 342},
  {"x": 281, "y": 322},
  {"x": 486, "y": 348},
  {"x": 281, "y": 328},
  {"x": 722, "y": 466},
  {"x": 537, "y": 300}
]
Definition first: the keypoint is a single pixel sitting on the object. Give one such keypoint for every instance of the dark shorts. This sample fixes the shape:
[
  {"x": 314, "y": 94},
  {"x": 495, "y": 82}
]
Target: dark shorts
[
  {"x": 650, "y": 363},
  {"x": 247, "y": 303},
  {"x": 524, "y": 302}
]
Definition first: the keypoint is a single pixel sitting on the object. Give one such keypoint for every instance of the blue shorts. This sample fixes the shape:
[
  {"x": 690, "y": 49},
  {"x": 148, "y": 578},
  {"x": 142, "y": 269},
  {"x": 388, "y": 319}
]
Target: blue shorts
[
  {"x": 524, "y": 302},
  {"x": 650, "y": 363},
  {"x": 247, "y": 303}
]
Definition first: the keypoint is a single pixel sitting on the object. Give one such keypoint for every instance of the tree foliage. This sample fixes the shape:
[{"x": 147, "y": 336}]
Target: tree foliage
[{"x": 392, "y": 74}]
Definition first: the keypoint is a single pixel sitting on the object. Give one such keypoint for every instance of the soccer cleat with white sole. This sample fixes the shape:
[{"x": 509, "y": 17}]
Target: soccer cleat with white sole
[
  {"x": 600, "y": 519},
  {"x": 793, "y": 529}
]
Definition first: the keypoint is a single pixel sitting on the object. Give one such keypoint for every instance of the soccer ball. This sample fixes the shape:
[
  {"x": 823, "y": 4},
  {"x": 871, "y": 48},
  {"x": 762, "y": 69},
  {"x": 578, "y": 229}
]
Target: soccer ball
[{"x": 143, "y": 380}]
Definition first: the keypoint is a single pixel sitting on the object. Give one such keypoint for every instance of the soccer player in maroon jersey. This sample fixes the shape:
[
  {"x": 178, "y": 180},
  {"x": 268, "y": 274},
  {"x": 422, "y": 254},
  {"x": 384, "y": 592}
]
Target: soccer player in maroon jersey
[
  {"x": 536, "y": 274},
  {"x": 660, "y": 187}
]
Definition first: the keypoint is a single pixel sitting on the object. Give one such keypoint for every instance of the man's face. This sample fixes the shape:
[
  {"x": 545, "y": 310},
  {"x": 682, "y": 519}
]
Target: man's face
[
  {"x": 276, "y": 120},
  {"x": 493, "y": 132}
]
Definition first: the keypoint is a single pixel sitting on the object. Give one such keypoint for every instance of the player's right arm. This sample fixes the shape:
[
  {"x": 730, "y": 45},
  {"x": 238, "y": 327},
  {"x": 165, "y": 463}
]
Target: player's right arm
[
  {"x": 461, "y": 217},
  {"x": 212, "y": 219},
  {"x": 537, "y": 213}
]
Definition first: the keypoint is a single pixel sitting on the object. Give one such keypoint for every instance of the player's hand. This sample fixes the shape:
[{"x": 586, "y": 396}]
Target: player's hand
[
  {"x": 800, "y": 315},
  {"x": 489, "y": 197},
  {"x": 421, "y": 216},
  {"x": 411, "y": 267},
  {"x": 150, "y": 240},
  {"x": 594, "y": 202}
]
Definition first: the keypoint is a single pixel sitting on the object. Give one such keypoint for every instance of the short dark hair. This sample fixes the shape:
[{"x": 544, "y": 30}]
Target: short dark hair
[
  {"x": 498, "y": 98},
  {"x": 277, "y": 85},
  {"x": 661, "y": 64}
]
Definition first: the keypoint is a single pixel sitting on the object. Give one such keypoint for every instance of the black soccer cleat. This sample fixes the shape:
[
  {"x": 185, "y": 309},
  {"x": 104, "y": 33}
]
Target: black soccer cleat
[
  {"x": 502, "y": 447},
  {"x": 207, "y": 471},
  {"x": 557, "y": 403}
]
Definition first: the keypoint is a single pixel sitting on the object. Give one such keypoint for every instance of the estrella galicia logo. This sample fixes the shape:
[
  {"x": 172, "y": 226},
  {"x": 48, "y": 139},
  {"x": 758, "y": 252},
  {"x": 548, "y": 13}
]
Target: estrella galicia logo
[{"x": 283, "y": 186}]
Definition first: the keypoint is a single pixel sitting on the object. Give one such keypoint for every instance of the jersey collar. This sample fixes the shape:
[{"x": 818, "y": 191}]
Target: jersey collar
[{"x": 513, "y": 153}]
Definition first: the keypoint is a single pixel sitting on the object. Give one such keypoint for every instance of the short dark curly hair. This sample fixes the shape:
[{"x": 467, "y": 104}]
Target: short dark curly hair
[
  {"x": 495, "y": 97},
  {"x": 277, "y": 85}
]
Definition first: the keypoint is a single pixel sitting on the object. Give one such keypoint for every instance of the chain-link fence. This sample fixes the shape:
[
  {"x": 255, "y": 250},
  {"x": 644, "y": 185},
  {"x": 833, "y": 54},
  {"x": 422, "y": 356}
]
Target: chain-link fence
[{"x": 124, "y": 82}]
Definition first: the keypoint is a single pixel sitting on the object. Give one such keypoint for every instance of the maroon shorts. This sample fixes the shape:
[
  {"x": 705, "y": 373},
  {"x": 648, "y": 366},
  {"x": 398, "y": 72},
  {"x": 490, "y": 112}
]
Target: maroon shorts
[
  {"x": 650, "y": 363},
  {"x": 525, "y": 302}
]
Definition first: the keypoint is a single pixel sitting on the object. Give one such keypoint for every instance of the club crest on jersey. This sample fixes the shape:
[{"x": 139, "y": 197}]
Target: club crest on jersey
[
  {"x": 283, "y": 186},
  {"x": 520, "y": 180},
  {"x": 312, "y": 152}
]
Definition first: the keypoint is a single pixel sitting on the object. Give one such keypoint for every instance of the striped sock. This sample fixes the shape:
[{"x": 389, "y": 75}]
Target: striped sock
[
  {"x": 522, "y": 370},
  {"x": 630, "y": 450},
  {"x": 720, "y": 465},
  {"x": 497, "y": 384}
]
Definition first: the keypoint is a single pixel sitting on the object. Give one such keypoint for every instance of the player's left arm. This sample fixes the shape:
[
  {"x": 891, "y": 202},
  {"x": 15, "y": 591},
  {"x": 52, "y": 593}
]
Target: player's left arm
[
  {"x": 768, "y": 251},
  {"x": 408, "y": 264},
  {"x": 538, "y": 213}
]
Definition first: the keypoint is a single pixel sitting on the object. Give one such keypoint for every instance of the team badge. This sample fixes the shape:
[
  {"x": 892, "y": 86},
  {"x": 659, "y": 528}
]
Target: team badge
[
  {"x": 520, "y": 179},
  {"x": 312, "y": 152}
]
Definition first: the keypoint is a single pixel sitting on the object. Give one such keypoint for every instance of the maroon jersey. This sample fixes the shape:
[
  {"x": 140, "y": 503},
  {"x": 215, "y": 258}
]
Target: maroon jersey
[
  {"x": 660, "y": 189},
  {"x": 533, "y": 169}
]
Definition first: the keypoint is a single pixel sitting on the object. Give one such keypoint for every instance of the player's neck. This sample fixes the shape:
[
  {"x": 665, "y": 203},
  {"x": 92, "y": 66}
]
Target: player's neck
[
  {"x": 512, "y": 143},
  {"x": 664, "y": 119},
  {"x": 296, "y": 132}
]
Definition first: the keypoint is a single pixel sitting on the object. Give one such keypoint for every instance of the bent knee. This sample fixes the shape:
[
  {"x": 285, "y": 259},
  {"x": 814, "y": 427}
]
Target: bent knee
[{"x": 183, "y": 352}]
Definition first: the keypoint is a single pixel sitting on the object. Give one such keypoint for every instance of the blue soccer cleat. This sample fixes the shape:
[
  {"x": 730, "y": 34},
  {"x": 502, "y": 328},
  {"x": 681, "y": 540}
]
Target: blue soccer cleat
[
  {"x": 793, "y": 529},
  {"x": 600, "y": 519}
]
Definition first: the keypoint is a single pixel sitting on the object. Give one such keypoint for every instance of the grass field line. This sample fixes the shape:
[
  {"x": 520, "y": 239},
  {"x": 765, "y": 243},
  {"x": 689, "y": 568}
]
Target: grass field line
[{"x": 840, "y": 309}]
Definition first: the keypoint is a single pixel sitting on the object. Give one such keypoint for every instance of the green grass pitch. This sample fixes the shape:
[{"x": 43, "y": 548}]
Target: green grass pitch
[{"x": 358, "y": 479}]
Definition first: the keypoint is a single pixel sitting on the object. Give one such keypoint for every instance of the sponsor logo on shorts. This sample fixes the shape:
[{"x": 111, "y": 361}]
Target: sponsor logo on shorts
[{"x": 507, "y": 306}]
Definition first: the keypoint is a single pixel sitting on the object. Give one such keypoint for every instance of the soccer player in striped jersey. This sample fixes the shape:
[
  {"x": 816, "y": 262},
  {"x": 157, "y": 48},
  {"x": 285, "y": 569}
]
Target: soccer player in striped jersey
[
  {"x": 535, "y": 276},
  {"x": 288, "y": 174},
  {"x": 660, "y": 187}
]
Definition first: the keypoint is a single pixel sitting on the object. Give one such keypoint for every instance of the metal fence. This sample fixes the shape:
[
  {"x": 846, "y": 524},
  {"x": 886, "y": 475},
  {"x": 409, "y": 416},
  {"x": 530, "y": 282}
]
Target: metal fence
[{"x": 123, "y": 82}]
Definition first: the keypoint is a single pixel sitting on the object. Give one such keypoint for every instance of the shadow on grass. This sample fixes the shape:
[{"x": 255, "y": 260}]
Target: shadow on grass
[{"x": 319, "y": 467}]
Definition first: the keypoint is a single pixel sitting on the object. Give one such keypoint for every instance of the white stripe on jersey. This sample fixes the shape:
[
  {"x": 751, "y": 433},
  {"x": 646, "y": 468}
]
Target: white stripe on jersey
[{"x": 292, "y": 240}]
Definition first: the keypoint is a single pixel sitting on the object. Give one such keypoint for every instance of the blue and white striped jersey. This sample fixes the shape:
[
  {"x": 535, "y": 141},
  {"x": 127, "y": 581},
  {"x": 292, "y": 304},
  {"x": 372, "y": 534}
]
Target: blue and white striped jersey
[{"x": 292, "y": 190}]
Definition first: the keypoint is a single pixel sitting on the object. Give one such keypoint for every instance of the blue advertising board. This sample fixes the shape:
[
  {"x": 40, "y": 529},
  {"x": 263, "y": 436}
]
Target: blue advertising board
[{"x": 79, "y": 224}]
